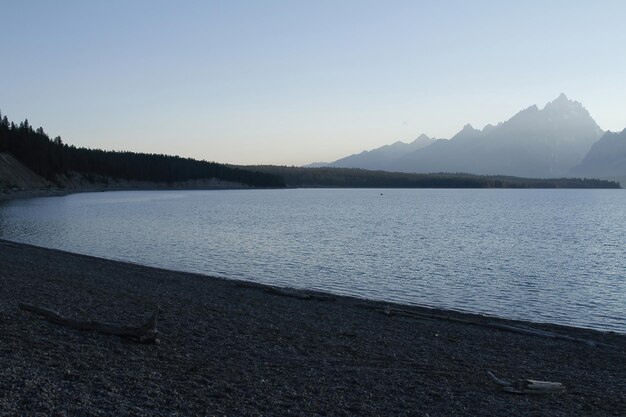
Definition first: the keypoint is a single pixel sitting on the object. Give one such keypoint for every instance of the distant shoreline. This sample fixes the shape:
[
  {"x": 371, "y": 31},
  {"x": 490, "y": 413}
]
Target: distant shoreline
[
  {"x": 362, "y": 178},
  {"x": 7, "y": 195},
  {"x": 233, "y": 347},
  {"x": 60, "y": 192}
]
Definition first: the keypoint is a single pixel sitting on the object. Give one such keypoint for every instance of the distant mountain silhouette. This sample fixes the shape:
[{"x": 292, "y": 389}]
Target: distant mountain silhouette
[
  {"x": 534, "y": 143},
  {"x": 606, "y": 159},
  {"x": 379, "y": 158}
]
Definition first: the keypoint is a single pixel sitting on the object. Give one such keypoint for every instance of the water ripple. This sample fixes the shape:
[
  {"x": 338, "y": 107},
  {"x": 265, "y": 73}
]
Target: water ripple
[{"x": 542, "y": 255}]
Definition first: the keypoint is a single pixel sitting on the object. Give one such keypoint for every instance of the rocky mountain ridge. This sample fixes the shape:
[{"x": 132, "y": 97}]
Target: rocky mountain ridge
[{"x": 538, "y": 143}]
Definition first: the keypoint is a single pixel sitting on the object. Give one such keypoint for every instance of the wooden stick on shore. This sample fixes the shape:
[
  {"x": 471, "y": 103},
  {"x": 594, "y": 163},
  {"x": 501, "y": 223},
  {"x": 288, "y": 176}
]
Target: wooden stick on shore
[
  {"x": 301, "y": 295},
  {"x": 145, "y": 333},
  {"x": 527, "y": 386},
  {"x": 505, "y": 327}
]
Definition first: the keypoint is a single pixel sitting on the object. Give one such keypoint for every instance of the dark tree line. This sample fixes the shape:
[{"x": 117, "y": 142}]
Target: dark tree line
[
  {"x": 51, "y": 157},
  {"x": 361, "y": 178}
]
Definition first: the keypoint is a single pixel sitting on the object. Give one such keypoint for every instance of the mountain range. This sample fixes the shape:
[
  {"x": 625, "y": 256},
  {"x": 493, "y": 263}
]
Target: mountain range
[
  {"x": 559, "y": 140},
  {"x": 606, "y": 158}
]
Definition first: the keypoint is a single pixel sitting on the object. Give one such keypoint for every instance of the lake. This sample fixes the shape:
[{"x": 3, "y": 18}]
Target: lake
[{"x": 542, "y": 255}]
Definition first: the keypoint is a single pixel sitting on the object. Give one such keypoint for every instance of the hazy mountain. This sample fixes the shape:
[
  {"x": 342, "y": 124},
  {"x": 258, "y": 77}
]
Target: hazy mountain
[
  {"x": 606, "y": 159},
  {"x": 535, "y": 142},
  {"x": 317, "y": 165},
  {"x": 379, "y": 158},
  {"x": 468, "y": 133}
]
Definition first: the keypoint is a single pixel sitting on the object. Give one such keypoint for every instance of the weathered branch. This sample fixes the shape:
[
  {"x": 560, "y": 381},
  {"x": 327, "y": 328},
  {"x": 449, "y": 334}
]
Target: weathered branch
[
  {"x": 527, "y": 386},
  {"x": 496, "y": 380},
  {"x": 145, "y": 333},
  {"x": 301, "y": 295},
  {"x": 418, "y": 315}
]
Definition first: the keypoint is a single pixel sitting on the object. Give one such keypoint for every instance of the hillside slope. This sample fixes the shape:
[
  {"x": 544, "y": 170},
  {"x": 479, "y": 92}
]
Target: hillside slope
[
  {"x": 607, "y": 157},
  {"x": 14, "y": 174},
  {"x": 380, "y": 158},
  {"x": 54, "y": 160}
]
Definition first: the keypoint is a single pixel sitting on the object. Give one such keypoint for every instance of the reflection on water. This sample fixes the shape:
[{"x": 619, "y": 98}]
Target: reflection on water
[{"x": 543, "y": 255}]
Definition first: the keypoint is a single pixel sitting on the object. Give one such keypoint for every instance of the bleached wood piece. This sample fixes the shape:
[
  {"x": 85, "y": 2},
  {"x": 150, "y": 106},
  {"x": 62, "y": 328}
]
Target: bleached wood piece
[
  {"x": 527, "y": 386},
  {"x": 501, "y": 382}
]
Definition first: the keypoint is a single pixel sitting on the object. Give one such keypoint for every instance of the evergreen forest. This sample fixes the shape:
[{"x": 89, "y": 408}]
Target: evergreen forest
[
  {"x": 362, "y": 178},
  {"x": 51, "y": 157}
]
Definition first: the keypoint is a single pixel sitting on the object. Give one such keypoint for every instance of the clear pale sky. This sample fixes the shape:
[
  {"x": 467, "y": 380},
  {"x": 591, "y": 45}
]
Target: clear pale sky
[{"x": 292, "y": 82}]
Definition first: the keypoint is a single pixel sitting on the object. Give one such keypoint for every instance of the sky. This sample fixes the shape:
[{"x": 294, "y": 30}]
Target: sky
[{"x": 293, "y": 82}]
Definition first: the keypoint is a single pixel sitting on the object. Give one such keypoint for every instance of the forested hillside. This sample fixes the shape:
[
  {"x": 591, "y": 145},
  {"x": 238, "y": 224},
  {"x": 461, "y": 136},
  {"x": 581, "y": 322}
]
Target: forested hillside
[
  {"x": 51, "y": 157},
  {"x": 361, "y": 178}
]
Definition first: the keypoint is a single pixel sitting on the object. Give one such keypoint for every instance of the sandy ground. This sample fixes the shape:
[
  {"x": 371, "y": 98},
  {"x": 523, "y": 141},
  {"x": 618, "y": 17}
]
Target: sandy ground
[{"x": 230, "y": 348}]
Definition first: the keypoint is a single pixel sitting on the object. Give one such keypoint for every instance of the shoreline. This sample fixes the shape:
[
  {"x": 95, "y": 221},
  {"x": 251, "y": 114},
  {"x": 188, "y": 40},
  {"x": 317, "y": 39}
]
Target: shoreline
[
  {"x": 303, "y": 294},
  {"x": 380, "y": 303},
  {"x": 61, "y": 192},
  {"x": 6, "y": 195},
  {"x": 234, "y": 347}
]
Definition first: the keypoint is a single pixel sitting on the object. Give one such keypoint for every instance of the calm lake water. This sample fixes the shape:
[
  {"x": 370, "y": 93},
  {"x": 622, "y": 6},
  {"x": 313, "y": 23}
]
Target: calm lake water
[{"x": 541, "y": 255}]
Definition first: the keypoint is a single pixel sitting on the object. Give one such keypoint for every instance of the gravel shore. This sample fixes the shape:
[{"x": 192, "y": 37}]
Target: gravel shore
[{"x": 231, "y": 348}]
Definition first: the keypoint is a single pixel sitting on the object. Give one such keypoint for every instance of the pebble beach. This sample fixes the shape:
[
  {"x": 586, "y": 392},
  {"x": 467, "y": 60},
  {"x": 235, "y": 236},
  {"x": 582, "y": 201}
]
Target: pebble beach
[{"x": 233, "y": 348}]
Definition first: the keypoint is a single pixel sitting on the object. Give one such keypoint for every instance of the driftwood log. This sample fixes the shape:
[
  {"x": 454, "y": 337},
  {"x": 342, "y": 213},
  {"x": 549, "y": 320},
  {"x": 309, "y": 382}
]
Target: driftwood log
[
  {"x": 505, "y": 327},
  {"x": 527, "y": 386},
  {"x": 286, "y": 292},
  {"x": 301, "y": 295},
  {"x": 418, "y": 315},
  {"x": 145, "y": 333}
]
